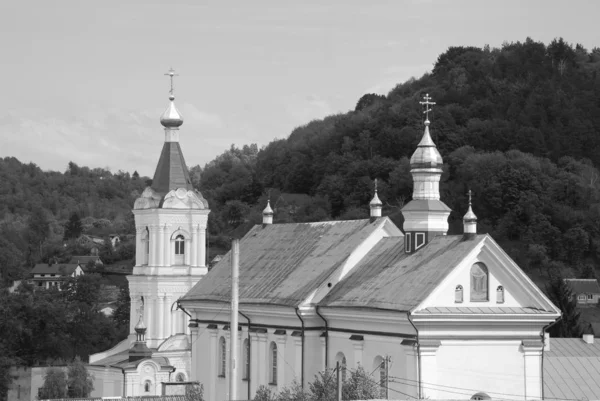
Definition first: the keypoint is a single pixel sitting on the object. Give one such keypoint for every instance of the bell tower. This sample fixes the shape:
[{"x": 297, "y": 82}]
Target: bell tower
[
  {"x": 425, "y": 216},
  {"x": 170, "y": 221}
]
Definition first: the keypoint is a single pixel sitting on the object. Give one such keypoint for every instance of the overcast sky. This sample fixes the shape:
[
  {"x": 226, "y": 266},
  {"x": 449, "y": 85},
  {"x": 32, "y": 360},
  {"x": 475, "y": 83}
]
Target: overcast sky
[{"x": 83, "y": 80}]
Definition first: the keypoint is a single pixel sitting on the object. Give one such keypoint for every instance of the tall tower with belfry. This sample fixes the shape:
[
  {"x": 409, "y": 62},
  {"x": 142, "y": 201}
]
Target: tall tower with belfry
[
  {"x": 170, "y": 258},
  {"x": 170, "y": 222}
]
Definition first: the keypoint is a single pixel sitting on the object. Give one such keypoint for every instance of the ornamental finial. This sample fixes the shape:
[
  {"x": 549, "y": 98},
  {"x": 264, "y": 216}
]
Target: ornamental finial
[
  {"x": 171, "y": 73},
  {"x": 470, "y": 194},
  {"x": 427, "y": 102},
  {"x": 375, "y": 185}
]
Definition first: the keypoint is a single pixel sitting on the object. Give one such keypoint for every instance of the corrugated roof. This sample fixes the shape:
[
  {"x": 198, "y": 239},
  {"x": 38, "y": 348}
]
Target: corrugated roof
[
  {"x": 572, "y": 369},
  {"x": 56, "y": 268},
  {"x": 579, "y": 285},
  {"x": 388, "y": 278},
  {"x": 134, "y": 398},
  {"x": 282, "y": 263},
  {"x": 473, "y": 310},
  {"x": 171, "y": 171}
]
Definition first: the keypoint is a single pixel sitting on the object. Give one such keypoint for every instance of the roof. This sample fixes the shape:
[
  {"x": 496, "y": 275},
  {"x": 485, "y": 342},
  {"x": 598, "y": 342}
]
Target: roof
[
  {"x": 84, "y": 259},
  {"x": 121, "y": 359},
  {"x": 283, "y": 263},
  {"x": 487, "y": 310},
  {"x": 572, "y": 369},
  {"x": 426, "y": 205},
  {"x": 389, "y": 278},
  {"x": 580, "y": 285},
  {"x": 171, "y": 172},
  {"x": 65, "y": 269},
  {"x": 134, "y": 398}
]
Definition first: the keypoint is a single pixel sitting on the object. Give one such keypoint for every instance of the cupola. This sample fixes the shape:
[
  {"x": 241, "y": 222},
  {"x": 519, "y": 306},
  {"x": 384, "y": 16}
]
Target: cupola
[
  {"x": 268, "y": 213},
  {"x": 425, "y": 216},
  {"x": 470, "y": 221},
  {"x": 375, "y": 205}
]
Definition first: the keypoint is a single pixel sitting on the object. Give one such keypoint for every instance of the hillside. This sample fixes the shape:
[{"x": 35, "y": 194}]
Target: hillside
[{"x": 517, "y": 125}]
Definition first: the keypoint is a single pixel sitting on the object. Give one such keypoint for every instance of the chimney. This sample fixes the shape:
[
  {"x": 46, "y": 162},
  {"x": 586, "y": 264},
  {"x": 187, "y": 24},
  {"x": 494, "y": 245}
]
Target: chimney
[{"x": 588, "y": 338}]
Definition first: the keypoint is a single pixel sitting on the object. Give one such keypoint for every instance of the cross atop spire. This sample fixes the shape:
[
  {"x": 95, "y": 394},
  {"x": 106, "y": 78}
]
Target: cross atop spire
[
  {"x": 375, "y": 185},
  {"x": 427, "y": 103},
  {"x": 171, "y": 73},
  {"x": 469, "y": 194}
]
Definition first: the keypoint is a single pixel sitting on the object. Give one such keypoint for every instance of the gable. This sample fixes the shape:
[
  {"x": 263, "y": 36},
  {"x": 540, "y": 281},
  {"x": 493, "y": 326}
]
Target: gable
[{"x": 491, "y": 282}]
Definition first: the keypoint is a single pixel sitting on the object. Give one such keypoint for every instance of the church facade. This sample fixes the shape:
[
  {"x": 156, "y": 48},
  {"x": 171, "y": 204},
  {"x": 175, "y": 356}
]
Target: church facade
[
  {"x": 170, "y": 221},
  {"x": 428, "y": 315}
]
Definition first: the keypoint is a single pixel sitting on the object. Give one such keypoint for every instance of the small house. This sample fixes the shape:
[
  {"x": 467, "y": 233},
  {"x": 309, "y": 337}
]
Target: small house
[{"x": 586, "y": 291}]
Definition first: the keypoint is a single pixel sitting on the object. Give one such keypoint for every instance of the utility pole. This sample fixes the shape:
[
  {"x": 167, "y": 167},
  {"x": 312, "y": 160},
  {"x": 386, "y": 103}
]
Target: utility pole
[
  {"x": 339, "y": 381},
  {"x": 387, "y": 375},
  {"x": 233, "y": 327}
]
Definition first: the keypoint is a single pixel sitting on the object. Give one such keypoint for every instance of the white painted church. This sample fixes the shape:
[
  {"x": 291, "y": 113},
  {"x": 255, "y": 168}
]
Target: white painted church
[{"x": 429, "y": 314}]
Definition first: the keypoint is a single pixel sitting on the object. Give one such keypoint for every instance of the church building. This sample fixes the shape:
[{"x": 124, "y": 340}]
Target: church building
[
  {"x": 170, "y": 221},
  {"x": 429, "y": 315}
]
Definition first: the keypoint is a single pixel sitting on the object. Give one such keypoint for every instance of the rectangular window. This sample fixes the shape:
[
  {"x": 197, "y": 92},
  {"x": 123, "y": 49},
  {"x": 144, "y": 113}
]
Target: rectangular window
[
  {"x": 590, "y": 297},
  {"x": 581, "y": 297},
  {"x": 407, "y": 242},
  {"x": 419, "y": 240}
]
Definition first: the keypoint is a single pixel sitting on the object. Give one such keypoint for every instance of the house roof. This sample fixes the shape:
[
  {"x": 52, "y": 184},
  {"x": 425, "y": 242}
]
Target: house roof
[
  {"x": 171, "y": 172},
  {"x": 389, "y": 278},
  {"x": 283, "y": 263},
  {"x": 580, "y": 285},
  {"x": 84, "y": 259},
  {"x": 134, "y": 398},
  {"x": 487, "y": 310},
  {"x": 65, "y": 269},
  {"x": 572, "y": 370}
]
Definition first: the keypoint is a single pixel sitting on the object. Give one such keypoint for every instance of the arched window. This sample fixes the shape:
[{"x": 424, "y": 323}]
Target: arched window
[
  {"x": 179, "y": 249},
  {"x": 146, "y": 240},
  {"x": 179, "y": 245},
  {"x": 180, "y": 377},
  {"x": 380, "y": 367},
  {"x": 481, "y": 396},
  {"x": 147, "y": 385},
  {"x": 458, "y": 294},
  {"x": 246, "y": 359},
  {"x": 479, "y": 283},
  {"x": 222, "y": 357},
  {"x": 273, "y": 363},
  {"x": 500, "y": 295},
  {"x": 341, "y": 358}
]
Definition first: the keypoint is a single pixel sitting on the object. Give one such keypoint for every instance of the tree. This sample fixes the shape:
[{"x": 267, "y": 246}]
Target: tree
[
  {"x": 80, "y": 382},
  {"x": 561, "y": 295},
  {"x": 55, "y": 384},
  {"x": 359, "y": 386},
  {"x": 73, "y": 228},
  {"x": 121, "y": 314}
]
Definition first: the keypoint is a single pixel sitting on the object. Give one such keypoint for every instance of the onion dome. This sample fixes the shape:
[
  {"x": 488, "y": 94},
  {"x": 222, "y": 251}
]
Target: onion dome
[
  {"x": 375, "y": 201},
  {"x": 426, "y": 155},
  {"x": 171, "y": 118},
  {"x": 268, "y": 213},
  {"x": 469, "y": 219}
]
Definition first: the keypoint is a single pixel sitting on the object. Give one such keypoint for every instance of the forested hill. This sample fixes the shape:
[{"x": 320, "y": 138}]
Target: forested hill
[{"x": 517, "y": 125}]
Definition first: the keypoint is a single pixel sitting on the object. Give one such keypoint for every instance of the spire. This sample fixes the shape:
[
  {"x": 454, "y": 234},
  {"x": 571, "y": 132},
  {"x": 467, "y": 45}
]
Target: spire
[
  {"x": 425, "y": 216},
  {"x": 171, "y": 172},
  {"x": 469, "y": 219},
  {"x": 140, "y": 350},
  {"x": 375, "y": 204},
  {"x": 268, "y": 213}
]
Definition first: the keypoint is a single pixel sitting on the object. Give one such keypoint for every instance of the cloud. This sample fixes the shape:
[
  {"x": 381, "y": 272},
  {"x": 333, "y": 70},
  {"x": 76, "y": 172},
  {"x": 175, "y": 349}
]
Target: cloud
[{"x": 303, "y": 110}]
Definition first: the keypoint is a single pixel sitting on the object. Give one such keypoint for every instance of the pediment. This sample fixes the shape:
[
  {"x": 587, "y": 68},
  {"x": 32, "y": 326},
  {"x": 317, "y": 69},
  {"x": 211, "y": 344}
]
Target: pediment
[{"x": 486, "y": 281}]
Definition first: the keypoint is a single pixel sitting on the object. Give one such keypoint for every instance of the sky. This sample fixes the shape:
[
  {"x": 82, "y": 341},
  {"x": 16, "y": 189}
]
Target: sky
[{"x": 83, "y": 80}]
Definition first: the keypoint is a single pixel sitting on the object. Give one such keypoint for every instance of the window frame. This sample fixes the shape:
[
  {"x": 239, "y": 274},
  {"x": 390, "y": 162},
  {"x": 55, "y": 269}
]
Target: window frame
[
  {"x": 222, "y": 367},
  {"x": 246, "y": 359},
  {"x": 179, "y": 245},
  {"x": 273, "y": 363},
  {"x": 476, "y": 295},
  {"x": 459, "y": 290}
]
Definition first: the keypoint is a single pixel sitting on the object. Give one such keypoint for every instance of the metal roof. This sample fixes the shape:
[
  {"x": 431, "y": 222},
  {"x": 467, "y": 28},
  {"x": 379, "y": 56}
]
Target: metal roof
[
  {"x": 389, "y": 278},
  {"x": 171, "y": 172},
  {"x": 282, "y": 263},
  {"x": 473, "y": 310},
  {"x": 83, "y": 260},
  {"x": 572, "y": 370},
  {"x": 64, "y": 269},
  {"x": 580, "y": 285}
]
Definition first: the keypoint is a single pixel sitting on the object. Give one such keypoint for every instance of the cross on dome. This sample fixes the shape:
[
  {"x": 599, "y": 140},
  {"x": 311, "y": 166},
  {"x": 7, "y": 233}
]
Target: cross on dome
[
  {"x": 171, "y": 73},
  {"x": 469, "y": 194},
  {"x": 427, "y": 103}
]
